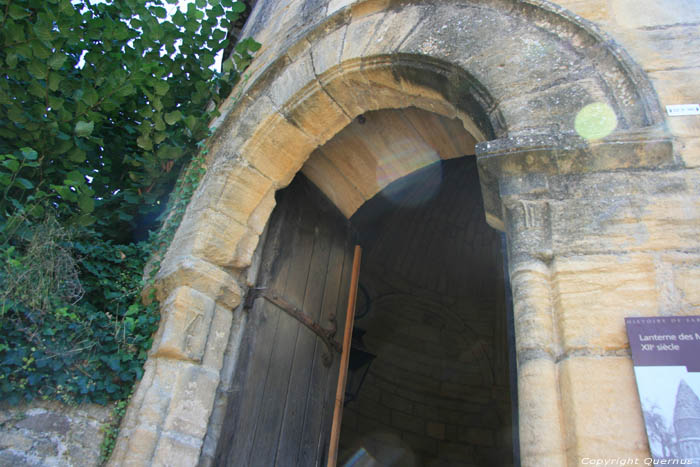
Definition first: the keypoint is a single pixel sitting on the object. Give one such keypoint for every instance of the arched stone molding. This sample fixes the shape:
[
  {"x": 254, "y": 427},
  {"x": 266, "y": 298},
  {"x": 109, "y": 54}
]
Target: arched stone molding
[{"x": 456, "y": 59}]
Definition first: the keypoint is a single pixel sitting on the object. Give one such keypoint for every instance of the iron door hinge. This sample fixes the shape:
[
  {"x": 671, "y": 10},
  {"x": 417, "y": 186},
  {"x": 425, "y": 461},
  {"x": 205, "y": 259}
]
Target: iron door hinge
[{"x": 325, "y": 334}]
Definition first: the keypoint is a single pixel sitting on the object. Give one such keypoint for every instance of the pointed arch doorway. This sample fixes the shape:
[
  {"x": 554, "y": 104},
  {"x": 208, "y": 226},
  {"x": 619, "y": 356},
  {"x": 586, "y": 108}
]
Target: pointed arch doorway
[
  {"x": 533, "y": 167},
  {"x": 432, "y": 307}
]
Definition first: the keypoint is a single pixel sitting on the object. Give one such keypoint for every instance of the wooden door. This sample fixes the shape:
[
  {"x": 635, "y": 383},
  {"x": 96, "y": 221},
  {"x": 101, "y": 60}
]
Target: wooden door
[{"x": 281, "y": 409}]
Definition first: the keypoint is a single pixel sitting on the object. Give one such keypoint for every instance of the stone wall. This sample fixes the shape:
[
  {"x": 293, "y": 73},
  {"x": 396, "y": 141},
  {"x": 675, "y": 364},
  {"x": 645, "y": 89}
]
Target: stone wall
[
  {"x": 52, "y": 434},
  {"x": 585, "y": 253},
  {"x": 597, "y": 230},
  {"x": 431, "y": 388},
  {"x": 663, "y": 38}
]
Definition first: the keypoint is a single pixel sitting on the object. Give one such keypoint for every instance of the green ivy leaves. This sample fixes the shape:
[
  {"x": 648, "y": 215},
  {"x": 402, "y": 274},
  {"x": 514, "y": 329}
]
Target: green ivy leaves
[
  {"x": 102, "y": 106},
  {"x": 90, "y": 352},
  {"x": 84, "y": 129},
  {"x": 80, "y": 75}
]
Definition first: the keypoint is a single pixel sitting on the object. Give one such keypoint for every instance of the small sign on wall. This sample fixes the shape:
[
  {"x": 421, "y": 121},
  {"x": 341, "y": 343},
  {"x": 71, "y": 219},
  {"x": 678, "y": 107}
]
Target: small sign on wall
[
  {"x": 666, "y": 354},
  {"x": 683, "y": 109}
]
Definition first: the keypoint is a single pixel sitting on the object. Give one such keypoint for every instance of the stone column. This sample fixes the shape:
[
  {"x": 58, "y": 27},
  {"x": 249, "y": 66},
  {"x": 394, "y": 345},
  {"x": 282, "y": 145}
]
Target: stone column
[
  {"x": 570, "y": 210},
  {"x": 200, "y": 286},
  {"x": 537, "y": 343}
]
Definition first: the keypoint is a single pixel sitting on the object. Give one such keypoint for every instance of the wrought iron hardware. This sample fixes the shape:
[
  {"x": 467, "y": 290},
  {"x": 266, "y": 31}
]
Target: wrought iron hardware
[{"x": 326, "y": 335}]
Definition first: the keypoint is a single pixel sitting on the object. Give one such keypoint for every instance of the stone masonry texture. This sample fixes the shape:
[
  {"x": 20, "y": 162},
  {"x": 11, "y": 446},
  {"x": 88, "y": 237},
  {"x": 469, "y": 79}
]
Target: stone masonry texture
[{"x": 598, "y": 228}]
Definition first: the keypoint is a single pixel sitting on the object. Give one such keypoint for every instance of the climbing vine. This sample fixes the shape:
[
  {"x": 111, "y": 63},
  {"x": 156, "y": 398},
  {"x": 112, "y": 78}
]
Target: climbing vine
[{"x": 104, "y": 113}]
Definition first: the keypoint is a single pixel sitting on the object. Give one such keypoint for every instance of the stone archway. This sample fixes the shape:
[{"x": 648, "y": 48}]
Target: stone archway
[{"x": 454, "y": 59}]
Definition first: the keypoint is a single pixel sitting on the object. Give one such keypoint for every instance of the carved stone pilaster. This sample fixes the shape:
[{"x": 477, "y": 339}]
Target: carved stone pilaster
[{"x": 520, "y": 167}]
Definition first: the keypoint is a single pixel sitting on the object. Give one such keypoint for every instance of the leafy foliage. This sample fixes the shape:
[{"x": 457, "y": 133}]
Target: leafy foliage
[
  {"x": 93, "y": 350},
  {"x": 111, "y": 431},
  {"x": 102, "y": 107},
  {"x": 111, "y": 99}
]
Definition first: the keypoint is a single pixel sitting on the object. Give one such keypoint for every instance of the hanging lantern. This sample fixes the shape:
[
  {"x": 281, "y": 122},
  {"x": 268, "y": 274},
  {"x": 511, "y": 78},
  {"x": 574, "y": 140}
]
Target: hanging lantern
[{"x": 358, "y": 366}]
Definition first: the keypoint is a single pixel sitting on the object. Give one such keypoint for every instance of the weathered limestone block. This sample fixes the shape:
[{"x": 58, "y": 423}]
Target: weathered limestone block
[
  {"x": 689, "y": 149},
  {"x": 449, "y": 29},
  {"x": 551, "y": 85},
  {"x": 625, "y": 223},
  {"x": 661, "y": 49},
  {"x": 224, "y": 390},
  {"x": 679, "y": 276},
  {"x": 352, "y": 89},
  {"x": 174, "y": 402},
  {"x": 207, "y": 234},
  {"x": 345, "y": 88},
  {"x": 296, "y": 76},
  {"x": 431, "y": 100},
  {"x": 649, "y": 13},
  {"x": 217, "y": 338},
  {"x": 541, "y": 431},
  {"x": 394, "y": 28},
  {"x": 593, "y": 294},
  {"x": 258, "y": 219},
  {"x": 278, "y": 149},
  {"x": 386, "y": 88},
  {"x": 242, "y": 122},
  {"x": 326, "y": 51},
  {"x": 601, "y": 409},
  {"x": 359, "y": 33},
  {"x": 447, "y": 136},
  {"x": 186, "y": 320},
  {"x": 192, "y": 402},
  {"x": 137, "y": 447},
  {"x": 131, "y": 418},
  {"x": 245, "y": 250},
  {"x": 49, "y": 433},
  {"x": 272, "y": 29},
  {"x": 140, "y": 429},
  {"x": 633, "y": 211},
  {"x": 193, "y": 328},
  {"x": 176, "y": 451},
  {"x": 562, "y": 103},
  {"x": 246, "y": 247},
  {"x": 335, "y": 5},
  {"x": 593, "y": 10},
  {"x": 319, "y": 115},
  {"x": 524, "y": 169},
  {"x": 368, "y": 7},
  {"x": 199, "y": 275},
  {"x": 679, "y": 87},
  {"x": 687, "y": 280},
  {"x": 233, "y": 188}
]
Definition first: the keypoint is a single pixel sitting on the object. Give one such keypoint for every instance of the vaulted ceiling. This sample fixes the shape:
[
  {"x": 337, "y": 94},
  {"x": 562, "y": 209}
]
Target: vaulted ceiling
[{"x": 380, "y": 147}]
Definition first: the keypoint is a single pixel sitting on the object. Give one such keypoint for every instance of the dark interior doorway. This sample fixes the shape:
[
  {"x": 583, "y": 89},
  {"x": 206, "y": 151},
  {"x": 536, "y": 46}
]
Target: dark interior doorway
[{"x": 432, "y": 308}]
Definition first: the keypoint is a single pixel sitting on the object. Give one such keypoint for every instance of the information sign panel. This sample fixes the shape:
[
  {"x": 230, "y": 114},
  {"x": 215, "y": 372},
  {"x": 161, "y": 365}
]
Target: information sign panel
[{"x": 666, "y": 354}]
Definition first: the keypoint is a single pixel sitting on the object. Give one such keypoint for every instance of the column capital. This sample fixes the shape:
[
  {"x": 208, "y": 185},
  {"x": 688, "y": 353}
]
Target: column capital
[{"x": 520, "y": 166}]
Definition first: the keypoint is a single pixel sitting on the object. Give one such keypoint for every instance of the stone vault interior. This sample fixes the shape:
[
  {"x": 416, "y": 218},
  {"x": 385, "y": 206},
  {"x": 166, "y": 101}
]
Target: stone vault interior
[
  {"x": 433, "y": 312},
  {"x": 380, "y": 147},
  {"x": 433, "y": 301}
]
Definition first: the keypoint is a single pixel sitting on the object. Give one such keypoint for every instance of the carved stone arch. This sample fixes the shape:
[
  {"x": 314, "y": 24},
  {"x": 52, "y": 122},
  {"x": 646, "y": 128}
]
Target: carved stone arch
[{"x": 454, "y": 58}]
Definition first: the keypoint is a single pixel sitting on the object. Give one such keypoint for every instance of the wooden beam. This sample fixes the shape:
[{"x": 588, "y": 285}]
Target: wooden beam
[{"x": 344, "y": 359}]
